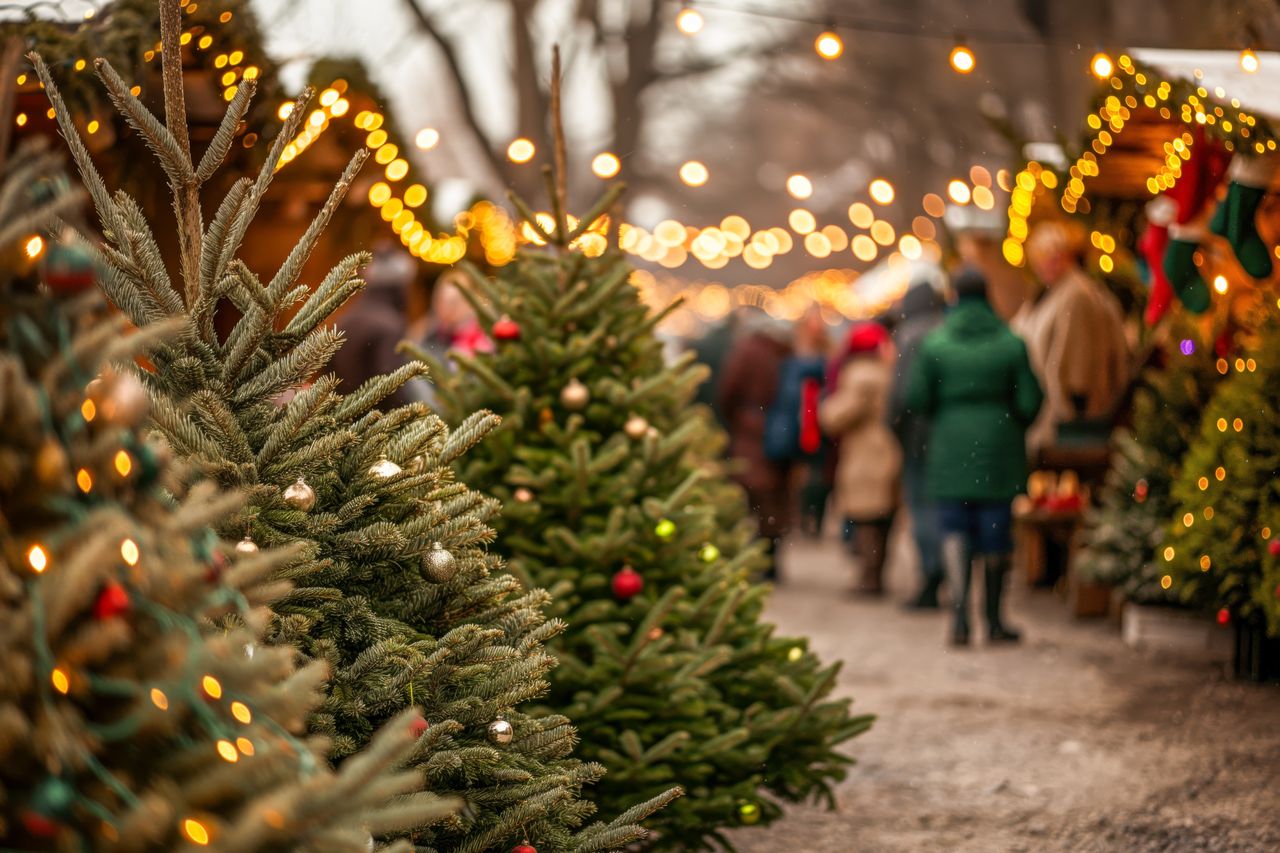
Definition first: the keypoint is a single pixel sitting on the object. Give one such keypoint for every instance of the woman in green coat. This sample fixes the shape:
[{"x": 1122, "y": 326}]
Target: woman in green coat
[{"x": 973, "y": 383}]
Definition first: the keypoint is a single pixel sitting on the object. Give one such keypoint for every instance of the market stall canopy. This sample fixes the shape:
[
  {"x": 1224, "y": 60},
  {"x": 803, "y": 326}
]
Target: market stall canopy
[{"x": 1257, "y": 91}]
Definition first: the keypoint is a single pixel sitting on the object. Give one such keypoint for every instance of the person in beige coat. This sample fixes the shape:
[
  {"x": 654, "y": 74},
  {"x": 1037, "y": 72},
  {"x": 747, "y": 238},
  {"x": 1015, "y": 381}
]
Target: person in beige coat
[
  {"x": 1075, "y": 337},
  {"x": 869, "y": 467}
]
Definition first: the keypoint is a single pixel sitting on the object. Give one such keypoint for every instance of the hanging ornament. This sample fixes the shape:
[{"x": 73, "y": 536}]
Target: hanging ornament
[
  {"x": 575, "y": 395},
  {"x": 636, "y": 427},
  {"x": 665, "y": 529},
  {"x": 709, "y": 553},
  {"x": 384, "y": 468},
  {"x": 439, "y": 565},
  {"x": 67, "y": 268},
  {"x": 748, "y": 812},
  {"x": 39, "y": 825},
  {"x": 526, "y": 847},
  {"x": 416, "y": 464},
  {"x": 418, "y": 727},
  {"x": 1140, "y": 491},
  {"x": 545, "y": 417},
  {"x": 51, "y": 465},
  {"x": 53, "y": 799},
  {"x": 300, "y": 496},
  {"x": 126, "y": 399},
  {"x": 249, "y": 650},
  {"x": 112, "y": 601},
  {"x": 652, "y": 432},
  {"x": 217, "y": 565},
  {"x": 247, "y": 545},
  {"x": 506, "y": 329},
  {"x": 1273, "y": 547},
  {"x": 656, "y": 632},
  {"x": 523, "y": 495},
  {"x": 627, "y": 583},
  {"x": 501, "y": 732},
  {"x": 1224, "y": 616}
]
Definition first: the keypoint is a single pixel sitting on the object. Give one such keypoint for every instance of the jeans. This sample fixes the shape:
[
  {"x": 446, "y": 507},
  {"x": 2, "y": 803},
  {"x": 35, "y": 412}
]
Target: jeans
[
  {"x": 987, "y": 526},
  {"x": 925, "y": 527}
]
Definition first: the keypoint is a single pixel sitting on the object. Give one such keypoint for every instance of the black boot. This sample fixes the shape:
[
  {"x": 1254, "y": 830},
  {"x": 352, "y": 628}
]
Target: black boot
[
  {"x": 927, "y": 598},
  {"x": 955, "y": 562},
  {"x": 774, "y": 545},
  {"x": 995, "y": 568}
]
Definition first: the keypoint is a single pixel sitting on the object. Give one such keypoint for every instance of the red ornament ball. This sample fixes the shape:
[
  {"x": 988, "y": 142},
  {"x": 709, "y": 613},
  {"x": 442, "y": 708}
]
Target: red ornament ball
[
  {"x": 524, "y": 848},
  {"x": 627, "y": 583},
  {"x": 1273, "y": 547},
  {"x": 1224, "y": 616},
  {"x": 39, "y": 825},
  {"x": 506, "y": 329},
  {"x": 68, "y": 268},
  {"x": 418, "y": 727},
  {"x": 112, "y": 601},
  {"x": 218, "y": 563}
]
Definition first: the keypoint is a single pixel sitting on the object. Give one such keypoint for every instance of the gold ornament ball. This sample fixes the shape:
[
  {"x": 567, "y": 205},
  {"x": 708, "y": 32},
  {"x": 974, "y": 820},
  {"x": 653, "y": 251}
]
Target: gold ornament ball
[
  {"x": 384, "y": 469},
  {"x": 126, "y": 401},
  {"x": 51, "y": 464},
  {"x": 247, "y": 545},
  {"x": 416, "y": 464},
  {"x": 636, "y": 427},
  {"x": 523, "y": 495},
  {"x": 575, "y": 395},
  {"x": 300, "y": 496},
  {"x": 439, "y": 565},
  {"x": 501, "y": 731},
  {"x": 748, "y": 812},
  {"x": 652, "y": 432}
]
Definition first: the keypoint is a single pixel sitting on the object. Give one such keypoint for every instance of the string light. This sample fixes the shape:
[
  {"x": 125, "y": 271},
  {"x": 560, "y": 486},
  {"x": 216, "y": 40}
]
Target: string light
[
  {"x": 521, "y": 150},
  {"x": 241, "y": 712},
  {"x": 694, "y": 173},
  {"x": 61, "y": 682},
  {"x": 123, "y": 463},
  {"x": 195, "y": 831},
  {"x": 227, "y": 751},
  {"x": 1220, "y": 283},
  {"x": 129, "y": 551},
  {"x": 34, "y": 246},
  {"x": 1101, "y": 66},
  {"x": 1249, "y": 61},
  {"x": 799, "y": 187},
  {"x": 84, "y": 480},
  {"x": 689, "y": 21},
  {"x": 427, "y": 138},
  {"x": 829, "y": 45},
  {"x": 158, "y": 699},
  {"x": 962, "y": 59},
  {"x": 958, "y": 191},
  {"x": 211, "y": 686},
  {"x": 37, "y": 558},
  {"x": 881, "y": 191},
  {"x": 606, "y": 165}
]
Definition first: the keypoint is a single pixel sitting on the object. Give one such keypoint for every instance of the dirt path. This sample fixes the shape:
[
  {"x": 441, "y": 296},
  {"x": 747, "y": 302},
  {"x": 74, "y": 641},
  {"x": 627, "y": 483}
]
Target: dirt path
[{"x": 1070, "y": 742}]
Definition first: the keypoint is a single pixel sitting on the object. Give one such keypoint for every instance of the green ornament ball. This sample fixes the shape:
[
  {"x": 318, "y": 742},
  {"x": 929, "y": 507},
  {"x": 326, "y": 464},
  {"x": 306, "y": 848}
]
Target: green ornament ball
[
  {"x": 748, "y": 812},
  {"x": 53, "y": 797},
  {"x": 665, "y": 529},
  {"x": 709, "y": 553}
]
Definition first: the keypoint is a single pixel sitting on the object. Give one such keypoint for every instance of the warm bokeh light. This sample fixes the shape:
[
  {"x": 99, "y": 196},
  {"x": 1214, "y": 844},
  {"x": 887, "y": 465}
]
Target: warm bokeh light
[
  {"x": 34, "y": 246},
  {"x": 415, "y": 195},
  {"x": 37, "y": 558},
  {"x": 521, "y": 150},
  {"x": 689, "y": 21},
  {"x": 694, "y": 173},
  {"x": 427, "y": 138},
  {"x": 195, "y": 831},
  {"x": 881, "y": 191},
  {"x": 829, "y": 45},
  {"x": 882, "y": 232},
  {"x": 984, "y": 198},
  {"x": 605, "y": 165},
  {"x": 211, "y": 686},
  {"x": 958, "y": 191},
  {"x": 933, "y": 205},
  {"x": 129, "y": 551},
  {"x": 864, "y": 248},
  {"x": 1248, "y": 61},
  {"x": 227, "y": 751},
  {"x": 123, "y": 463},
  {"x": 860, "y": 215},
  {"x": 799, "y": 187},
  {"x": 801, "y": 221},
  {"x": 61, "y": 681},
  {"x": 962, "y": 59},
  {"x": 1220, "y": 283},
  {"x": 1101, "y": 66}
]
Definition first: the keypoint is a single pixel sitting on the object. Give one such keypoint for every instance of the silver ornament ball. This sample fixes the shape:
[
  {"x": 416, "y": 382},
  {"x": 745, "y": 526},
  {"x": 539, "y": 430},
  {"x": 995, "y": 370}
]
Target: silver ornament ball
[
  {"x": 575, "y": 395},
  {"x": 247, "y": 545},
  {"x": 501, "y": 732},
  {"x": 300, "y": 496},
  {"x": 636, "y": 427},
  {"x": 384, "y": 468},
  {"x": 439, "y": 565}
]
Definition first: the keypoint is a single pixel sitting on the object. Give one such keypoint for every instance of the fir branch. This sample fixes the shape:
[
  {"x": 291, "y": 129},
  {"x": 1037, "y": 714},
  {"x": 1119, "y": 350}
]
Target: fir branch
[
  {"x": 226, "y": 134},
  {"x": 168, "y": 151}
]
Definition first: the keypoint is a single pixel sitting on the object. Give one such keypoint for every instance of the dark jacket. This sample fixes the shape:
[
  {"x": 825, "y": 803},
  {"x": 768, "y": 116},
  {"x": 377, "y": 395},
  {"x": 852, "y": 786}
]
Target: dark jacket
[
  {"x": 918, "y": 313},
  {"x": 372, "y": 327},
  {"x": 747, "y": 390},
  {"x": 973, "y": 381}
]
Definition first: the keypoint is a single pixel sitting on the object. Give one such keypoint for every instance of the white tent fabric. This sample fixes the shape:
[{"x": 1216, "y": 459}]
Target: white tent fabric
[{"x": 1258, "y": 93}]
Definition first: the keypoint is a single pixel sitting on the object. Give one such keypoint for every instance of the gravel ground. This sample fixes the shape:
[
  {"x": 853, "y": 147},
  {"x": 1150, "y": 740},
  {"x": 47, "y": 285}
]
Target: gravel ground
[{"x": 1069, "y": 742}]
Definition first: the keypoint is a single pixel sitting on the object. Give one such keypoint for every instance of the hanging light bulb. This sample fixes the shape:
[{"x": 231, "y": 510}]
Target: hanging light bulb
[
  {"x": 689, "y": 21},
  {"x": 962, "y": 59},
  {"x": 1101, "y": 66},
  {"x": 828, "y": 44},
  {"x": 1248, "y": 61}
]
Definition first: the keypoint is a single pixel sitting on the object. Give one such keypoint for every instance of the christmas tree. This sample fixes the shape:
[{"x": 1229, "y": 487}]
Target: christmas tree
[
  {"x": 395, "y": 590},
  {"x": 618, "y": 504},
  {"x": 1123, "y": 532},
  {"x": 138, "y": 709},
  {"x": 1226, "y": 494}
]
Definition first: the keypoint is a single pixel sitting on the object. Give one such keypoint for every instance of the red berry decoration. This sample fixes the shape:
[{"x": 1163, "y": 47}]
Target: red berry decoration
[
  {"x": 627, "y": 583},
  {"x": 419, "y": 727},
  {"x": 1273, "y": 547},
  {"x": 39, "y": 825},
  {"x": 1224, "y": 616},
  {"x": 112, "y": 601},
  {"x": 524, "y": 848},
  {"x": 506, "y": 329}
]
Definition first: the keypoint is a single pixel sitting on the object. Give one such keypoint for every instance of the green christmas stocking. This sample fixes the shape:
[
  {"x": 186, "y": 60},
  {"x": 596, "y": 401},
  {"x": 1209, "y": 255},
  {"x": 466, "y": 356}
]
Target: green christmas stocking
[
  {"x": 1234, "y": 217},
  {"x": 1180, "y": 269}
]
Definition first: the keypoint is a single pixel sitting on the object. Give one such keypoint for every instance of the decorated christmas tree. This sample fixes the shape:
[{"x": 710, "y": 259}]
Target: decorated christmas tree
[
  {"x": 1226, "y": 494},
  {"x": 139, "y": 708},
  {"x": 617, "y": 503},
  {"x": 1123, "y": 532},
  {"x": 394, "y": 589}
]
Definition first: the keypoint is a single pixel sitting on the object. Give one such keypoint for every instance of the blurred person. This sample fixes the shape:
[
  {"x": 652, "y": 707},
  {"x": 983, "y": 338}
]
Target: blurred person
[
  {"x": 748, "y": 388},
  {"x": 711, "y": 349},
  {"x": 869, "y": 464},
  {"x": 1074, "y": 333},
  {"x": 973, "y": 381},
  {"x": 449, "y": 326},
  {"x": 792, "y": 433},
  {"x": 375, "y": 322},
  {"x": 918, "y": 313}
]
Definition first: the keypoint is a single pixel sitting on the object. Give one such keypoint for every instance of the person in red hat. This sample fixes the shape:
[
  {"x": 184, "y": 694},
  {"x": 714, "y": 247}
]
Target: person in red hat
[{"x": 869, "y": 466}]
